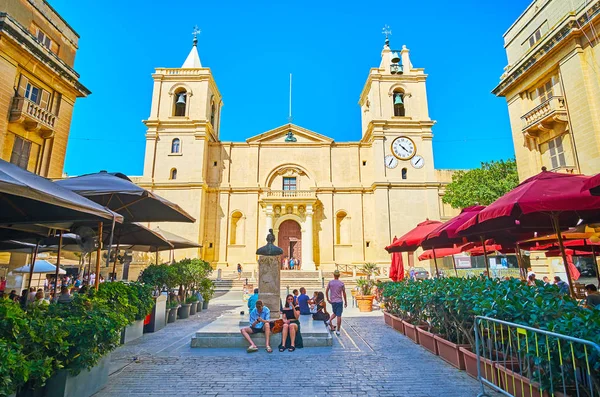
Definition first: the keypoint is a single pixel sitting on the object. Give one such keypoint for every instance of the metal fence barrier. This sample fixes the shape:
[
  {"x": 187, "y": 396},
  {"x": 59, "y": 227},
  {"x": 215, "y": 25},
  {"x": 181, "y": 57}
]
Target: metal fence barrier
[{"x": 522, "y": 361}]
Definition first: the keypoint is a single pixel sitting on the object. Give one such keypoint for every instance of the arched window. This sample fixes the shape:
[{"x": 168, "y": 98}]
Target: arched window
[
  {"x": 236, "y": 231},
  {"x": 342, "y": 228},
  {"x": 173, "y": 174},
  {"x": 212, "y": 112},
  {"x": 180, "y": 101},
  {"x": 175, "y": 145},
  {"x": 404, "y": 173},
  {"x": 398, "y": 100}
]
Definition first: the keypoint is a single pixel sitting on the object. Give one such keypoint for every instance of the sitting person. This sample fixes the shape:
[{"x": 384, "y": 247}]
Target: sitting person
[
  {"x": 592, "y": 300},
  {"x": 40, "y": 299},
  {"x": 563, "y": 287},
  {"x": 321, "y": 313},
  {"x": 303, "y": 301},
  {"x": 64, "y": 297},
  {"x": 259, "y": 322},
  {"x": 290, "y": 335}
]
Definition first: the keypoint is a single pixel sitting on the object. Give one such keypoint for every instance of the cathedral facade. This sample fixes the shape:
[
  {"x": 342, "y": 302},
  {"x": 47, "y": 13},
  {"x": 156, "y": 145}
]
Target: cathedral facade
[{"x": 334, "y": 203}]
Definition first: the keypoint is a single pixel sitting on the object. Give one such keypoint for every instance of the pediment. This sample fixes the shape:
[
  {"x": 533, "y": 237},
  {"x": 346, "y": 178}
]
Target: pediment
[{"x": 280, "y": 135}]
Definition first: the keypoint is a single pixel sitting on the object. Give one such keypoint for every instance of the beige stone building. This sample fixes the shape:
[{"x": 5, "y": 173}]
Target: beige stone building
[
  {"x": 551, "y": 85},
  {"x": 38, "y": 85},
  {"x": 328, "y": 202}
]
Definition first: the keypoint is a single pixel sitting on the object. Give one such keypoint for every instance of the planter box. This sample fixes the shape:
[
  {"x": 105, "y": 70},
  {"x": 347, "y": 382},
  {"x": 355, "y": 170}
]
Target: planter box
[
  {"x": 193, "y": 307},
  {"x": 388, "y": 319},
  {"x": 450, "y": 352},
  {"x": 518, "y": 385},
  {"x": 427, "y": 340},
  {"x": 199, "y": 307},
  {"x": 487, "y": 367},
  {"x": 132, "y": 331},
  {"x": 184, "y": 310},
  {"x": 410, "y": 330},
  {"x": 158, "y": 316},
  {"x": 84, "y": 384},
  {"x": 205, "y": 305}
]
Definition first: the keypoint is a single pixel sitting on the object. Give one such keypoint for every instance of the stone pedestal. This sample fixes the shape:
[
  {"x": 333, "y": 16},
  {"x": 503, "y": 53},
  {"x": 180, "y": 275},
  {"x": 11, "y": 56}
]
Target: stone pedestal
[{"x": 269, "y": 283}]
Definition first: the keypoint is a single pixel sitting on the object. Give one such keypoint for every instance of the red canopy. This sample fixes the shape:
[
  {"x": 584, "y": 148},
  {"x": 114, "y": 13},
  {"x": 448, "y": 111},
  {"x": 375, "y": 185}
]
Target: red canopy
[
  {"x": 569, "y": 252},
  {"x": 443, "y": 252},
  {"x": 445, "y": 235},
  {"x": 489, "y": 248},
  {"x": 529, "y": 205},
  {"x": 592, "y": 185},
  {"x": 413, "y": 239}
]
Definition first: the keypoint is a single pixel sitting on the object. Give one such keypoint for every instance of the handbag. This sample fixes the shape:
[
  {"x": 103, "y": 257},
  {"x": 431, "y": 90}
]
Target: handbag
[
  {"x": 314, "y": 308},
  {"x": 276, "y": 326}
]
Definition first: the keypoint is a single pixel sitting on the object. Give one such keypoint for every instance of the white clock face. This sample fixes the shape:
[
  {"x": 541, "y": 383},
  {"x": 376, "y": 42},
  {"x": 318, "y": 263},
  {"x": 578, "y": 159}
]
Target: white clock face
[
  {"x": 390, "y": 161},
  {"x": 417, "y": 161},
  {"x": 403, "y": 148}
]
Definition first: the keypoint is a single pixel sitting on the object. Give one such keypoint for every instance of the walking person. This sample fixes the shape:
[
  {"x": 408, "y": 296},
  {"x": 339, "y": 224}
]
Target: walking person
[
  {"x": 239, "y": 271},
  {"x": 336, "y": 290}
]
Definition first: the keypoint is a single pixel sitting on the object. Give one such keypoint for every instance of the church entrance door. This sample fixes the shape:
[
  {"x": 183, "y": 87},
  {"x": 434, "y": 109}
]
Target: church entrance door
[{"x": 290, "y": 239}]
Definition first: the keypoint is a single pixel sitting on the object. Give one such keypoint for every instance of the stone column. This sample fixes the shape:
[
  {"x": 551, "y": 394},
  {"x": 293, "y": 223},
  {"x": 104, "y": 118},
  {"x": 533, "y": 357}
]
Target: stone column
[
  {"x": 269, "y": 218},
  {"x": 269, "y": 283},
  {"x": 308, "y": 262}
]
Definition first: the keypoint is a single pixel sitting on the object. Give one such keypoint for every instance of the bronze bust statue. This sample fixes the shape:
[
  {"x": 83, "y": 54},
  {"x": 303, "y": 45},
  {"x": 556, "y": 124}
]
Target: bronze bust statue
[{"x": 270, "y": 249}]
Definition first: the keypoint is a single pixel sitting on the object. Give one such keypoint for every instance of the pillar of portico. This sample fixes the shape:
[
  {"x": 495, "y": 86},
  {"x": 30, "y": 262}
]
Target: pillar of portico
[
  {"x": 269, "y": 218},
  {"x": 308, "y": 262}
]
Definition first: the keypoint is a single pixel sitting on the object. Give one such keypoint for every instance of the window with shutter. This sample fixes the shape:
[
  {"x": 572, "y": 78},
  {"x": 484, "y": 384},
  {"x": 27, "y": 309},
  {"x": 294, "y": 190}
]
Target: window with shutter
[
  {"x": 45, "y": 99},
  {"x": 23, "y": 82},
  {"x": 20, "y": 152}
]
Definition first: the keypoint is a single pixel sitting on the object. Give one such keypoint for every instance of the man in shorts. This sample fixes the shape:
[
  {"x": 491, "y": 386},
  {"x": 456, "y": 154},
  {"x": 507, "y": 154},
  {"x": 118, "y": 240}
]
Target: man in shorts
[
  {"x": 335, "y": 292},
  {"x": 259, "y": 322}
]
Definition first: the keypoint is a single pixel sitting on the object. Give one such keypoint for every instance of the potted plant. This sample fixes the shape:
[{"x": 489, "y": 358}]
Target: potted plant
[
  {"x": 364, "y": 297},
  {"x": 193, "y": 301},
  {"x": 173, "y": 306},
  {"x": 207, "y": 290},
  {"x": 156, "y": 276}
]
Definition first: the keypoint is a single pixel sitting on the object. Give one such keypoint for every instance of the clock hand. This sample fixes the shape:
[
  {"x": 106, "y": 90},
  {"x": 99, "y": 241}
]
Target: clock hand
[
  {"x": 418, "y": 161},
  {"x": 403, "y": 148}
]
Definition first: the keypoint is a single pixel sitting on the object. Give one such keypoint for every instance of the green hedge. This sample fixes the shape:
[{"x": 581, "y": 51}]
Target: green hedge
[
  {"x": 37, "y": 343},
  {"x": 449, "y": 307}
]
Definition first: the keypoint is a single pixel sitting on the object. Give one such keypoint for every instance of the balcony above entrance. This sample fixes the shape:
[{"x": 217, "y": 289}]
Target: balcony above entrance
[{"x": 283, "y": 202}]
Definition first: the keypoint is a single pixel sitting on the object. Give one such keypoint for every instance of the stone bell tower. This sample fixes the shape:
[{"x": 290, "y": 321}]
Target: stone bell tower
[
  {"x": 184, "y": 118},
  {"x": 395, "y": 117}
]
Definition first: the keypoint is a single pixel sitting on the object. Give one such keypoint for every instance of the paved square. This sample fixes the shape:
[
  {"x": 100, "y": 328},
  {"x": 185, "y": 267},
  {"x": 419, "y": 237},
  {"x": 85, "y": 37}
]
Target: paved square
[{"x": 367, "y": 359}]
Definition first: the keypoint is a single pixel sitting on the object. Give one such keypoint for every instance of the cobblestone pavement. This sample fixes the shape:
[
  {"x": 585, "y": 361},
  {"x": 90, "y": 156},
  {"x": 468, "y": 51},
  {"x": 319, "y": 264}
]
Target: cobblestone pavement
[{"x": 368, "y": 359}]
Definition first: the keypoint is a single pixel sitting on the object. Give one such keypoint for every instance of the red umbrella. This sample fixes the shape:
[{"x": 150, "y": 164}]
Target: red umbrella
[
  {"x": 569, "y": 252},
  {"x": 445, "y": 235},
  {"x": 443, "y": 252},
  {"x": 592, "y": 185},
  {"x": 413, "y": 239},
  {"x": 546, "y": 201},
  {"x": 397, "y": 268},
  {"x": 479, "y": 250}
]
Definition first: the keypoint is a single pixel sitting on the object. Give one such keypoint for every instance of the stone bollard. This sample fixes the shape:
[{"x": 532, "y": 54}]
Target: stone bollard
[
  {"x": 354, "y": 272},
  {"x": 219, "y": 274}
]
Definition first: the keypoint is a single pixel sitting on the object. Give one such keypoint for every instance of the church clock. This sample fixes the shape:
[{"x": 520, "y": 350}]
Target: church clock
[{"x": 404, "y": 148}]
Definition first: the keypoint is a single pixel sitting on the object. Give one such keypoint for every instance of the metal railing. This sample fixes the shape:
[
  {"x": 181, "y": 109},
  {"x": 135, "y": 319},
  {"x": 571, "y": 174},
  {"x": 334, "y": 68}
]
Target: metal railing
[{"x": 518, "y": 360}]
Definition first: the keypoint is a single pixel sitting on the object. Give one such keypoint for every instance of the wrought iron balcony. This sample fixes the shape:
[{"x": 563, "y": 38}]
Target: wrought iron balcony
[
  {"x": 544, "y": 116},
  {"x": 32, "y": 115}
]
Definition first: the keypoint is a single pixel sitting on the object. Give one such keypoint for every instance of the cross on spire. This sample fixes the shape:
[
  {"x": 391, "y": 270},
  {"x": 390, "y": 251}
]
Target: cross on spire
[
  {"x": 196, "y": 32},
  {"x": 387, "y": 31}
]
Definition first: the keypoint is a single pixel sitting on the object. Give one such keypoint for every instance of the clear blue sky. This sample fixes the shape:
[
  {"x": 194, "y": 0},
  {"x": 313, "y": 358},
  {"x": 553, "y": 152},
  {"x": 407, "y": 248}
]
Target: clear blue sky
[{"x": 251, "y": 47}]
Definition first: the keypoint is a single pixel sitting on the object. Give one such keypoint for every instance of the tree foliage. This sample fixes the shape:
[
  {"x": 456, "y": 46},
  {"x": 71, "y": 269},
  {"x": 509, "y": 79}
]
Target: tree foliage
[{"x": 481, "y": 185}]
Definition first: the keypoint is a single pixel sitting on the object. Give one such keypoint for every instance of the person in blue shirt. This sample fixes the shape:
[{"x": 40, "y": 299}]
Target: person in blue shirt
[
  {"x": 253, "y": 299},
  {"x": 259, "y": 322},
  {"x": 292, "y": 263},
  {"x": 303, "y": 301}
]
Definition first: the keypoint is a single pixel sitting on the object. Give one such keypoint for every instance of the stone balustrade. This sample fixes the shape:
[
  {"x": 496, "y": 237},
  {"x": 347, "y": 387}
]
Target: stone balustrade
[
  {"x": 182, "y": 72},
  {"x": 545, "y": 112},
  {"x": 25, "y": 110},
  {"x": 290, "y": 193}
]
